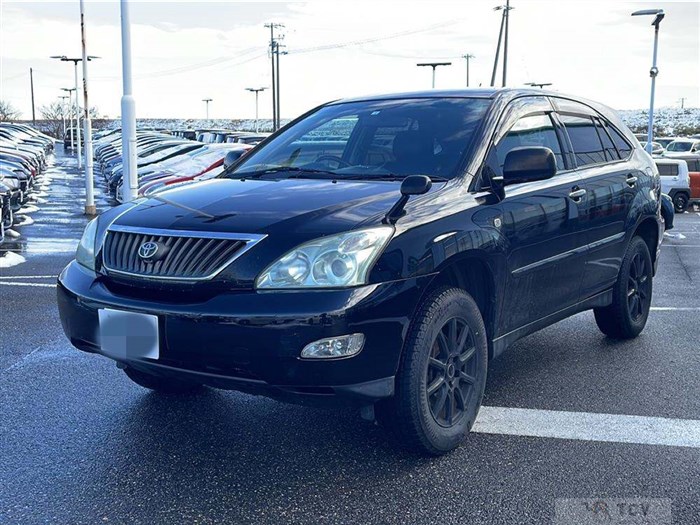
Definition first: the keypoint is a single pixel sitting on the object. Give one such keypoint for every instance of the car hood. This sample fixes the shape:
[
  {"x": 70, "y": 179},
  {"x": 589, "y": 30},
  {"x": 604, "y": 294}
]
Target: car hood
[{"x": 294, "y": 207}]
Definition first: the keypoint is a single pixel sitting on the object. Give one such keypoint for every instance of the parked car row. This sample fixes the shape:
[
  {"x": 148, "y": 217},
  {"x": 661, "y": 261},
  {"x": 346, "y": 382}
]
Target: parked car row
[
  {"x": 23, "y": 152},
  {"x": 167, "y": 159}
]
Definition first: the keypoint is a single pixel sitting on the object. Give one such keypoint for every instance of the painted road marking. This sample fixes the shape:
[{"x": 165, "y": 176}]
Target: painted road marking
[
  {"x": 675, "y": 308},
  {"x": 37, "y": 285},
  {"x": 586, "y": 426},
  {"x": 4, "y": 277}
]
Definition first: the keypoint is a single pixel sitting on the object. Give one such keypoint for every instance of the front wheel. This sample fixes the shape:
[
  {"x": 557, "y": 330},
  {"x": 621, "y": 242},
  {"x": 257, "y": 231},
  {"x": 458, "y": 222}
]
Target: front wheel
[
  {"x": 442, "y": 376},
  {"x": 626, "y": 317}
]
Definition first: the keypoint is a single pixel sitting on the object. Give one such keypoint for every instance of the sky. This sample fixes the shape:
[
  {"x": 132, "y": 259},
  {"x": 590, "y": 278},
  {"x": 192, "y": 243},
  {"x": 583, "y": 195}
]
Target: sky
[{"x": 184, "y": 52}]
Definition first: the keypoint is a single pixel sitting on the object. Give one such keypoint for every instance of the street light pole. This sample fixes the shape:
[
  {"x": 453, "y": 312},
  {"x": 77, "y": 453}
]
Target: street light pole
[
  {"x": 206, "y": 101},
  {"x": 70, "y": 115},
  {"x": 654, "y": 71},
  {"x": 128, "y": 110},
  {"x": 90, "y": 208},
  {"x": 63, "y": 112},
  {"x": 467, "y": 57},
  {"x": 434, "y": 65},
  {"x": 257, "y": 92}
]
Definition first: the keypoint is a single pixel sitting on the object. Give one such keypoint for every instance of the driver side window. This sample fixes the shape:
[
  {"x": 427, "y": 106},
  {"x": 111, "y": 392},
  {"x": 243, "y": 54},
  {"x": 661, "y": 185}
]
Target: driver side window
[{"x": 534, "y": 131}]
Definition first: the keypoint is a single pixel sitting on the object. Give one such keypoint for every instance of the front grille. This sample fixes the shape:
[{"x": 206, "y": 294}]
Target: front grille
[{"x": 180, "y": 255}]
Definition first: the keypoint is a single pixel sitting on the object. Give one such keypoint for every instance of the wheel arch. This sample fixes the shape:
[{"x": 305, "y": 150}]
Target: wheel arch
[{"x": 648, "y": 230}]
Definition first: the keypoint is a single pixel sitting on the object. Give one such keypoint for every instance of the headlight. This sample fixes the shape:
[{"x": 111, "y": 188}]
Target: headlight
[
  {"x": 329, "y": 262},
  {"x": 85, "y": 255}
]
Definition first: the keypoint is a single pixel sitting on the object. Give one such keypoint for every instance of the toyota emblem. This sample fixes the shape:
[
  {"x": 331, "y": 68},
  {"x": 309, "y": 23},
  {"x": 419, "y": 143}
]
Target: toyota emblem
[{"x": 148, "y": 250}]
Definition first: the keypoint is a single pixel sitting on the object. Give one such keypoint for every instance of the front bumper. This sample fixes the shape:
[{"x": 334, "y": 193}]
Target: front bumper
[{"x": 251, "y": 341}]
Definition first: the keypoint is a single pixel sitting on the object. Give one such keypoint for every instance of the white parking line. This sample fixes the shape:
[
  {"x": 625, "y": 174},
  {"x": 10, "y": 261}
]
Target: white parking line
[
  {"x": 5, "y": 277},
  {"x": 675, "y": 308},
  {"x": 586, "y": 426},
  {"x": 37, "y": 285}
]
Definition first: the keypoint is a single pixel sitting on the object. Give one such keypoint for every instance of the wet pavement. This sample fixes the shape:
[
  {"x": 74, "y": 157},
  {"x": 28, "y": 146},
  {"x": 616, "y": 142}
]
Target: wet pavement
[{"x": 81, "y": 444}]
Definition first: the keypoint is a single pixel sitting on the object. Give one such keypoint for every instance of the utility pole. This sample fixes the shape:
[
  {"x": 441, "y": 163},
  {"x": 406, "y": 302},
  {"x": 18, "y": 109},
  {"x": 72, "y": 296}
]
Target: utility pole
[
  {"x": 90, "y": 208},
  {"x": 206, "y": 101},
  {"x": 277, "y": 80},
  {"x": 31, "y": 82},
  {"x": 682, "y": 99},
  {"x": 257, "y": 92},
  {"x": 434, "y": 65},
  {"x": 502, "y": 30},
  {"x": 274, "y": 61},
  {"x": 467, "y": 57},
  {"x": 128, "y": 110},
  {"x": 63, "y": 112}
]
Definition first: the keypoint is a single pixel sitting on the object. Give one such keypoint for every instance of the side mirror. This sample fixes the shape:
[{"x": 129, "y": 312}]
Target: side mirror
[
  {"x": 529, "y": 164},
  {"x": 416, "y": 185},
  {"x": 411, "y": 185},
  {"x": 230, "y": 158}
]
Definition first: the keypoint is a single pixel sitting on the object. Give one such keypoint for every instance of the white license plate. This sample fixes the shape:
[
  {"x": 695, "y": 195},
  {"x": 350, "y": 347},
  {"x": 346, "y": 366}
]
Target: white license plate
[{"x": 128, "y": 335}]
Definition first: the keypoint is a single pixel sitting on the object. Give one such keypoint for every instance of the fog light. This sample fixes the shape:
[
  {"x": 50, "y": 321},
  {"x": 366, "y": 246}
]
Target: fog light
[{"x": 341, "y": 346}]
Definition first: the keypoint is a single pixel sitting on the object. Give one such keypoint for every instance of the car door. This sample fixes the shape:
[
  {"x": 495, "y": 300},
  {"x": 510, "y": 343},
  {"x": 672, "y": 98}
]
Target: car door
[
  {"x": 540, "y": 223},
  {"x": 610, "y": 184}
]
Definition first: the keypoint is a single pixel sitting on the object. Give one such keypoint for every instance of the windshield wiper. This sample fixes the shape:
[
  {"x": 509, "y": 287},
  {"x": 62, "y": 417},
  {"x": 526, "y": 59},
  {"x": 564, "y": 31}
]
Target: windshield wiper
[
  {"x": 297, "y": 172},
  {"x": 386, "y": 176}
]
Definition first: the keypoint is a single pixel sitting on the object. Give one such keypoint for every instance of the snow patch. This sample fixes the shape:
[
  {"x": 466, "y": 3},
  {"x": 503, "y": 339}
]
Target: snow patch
[
  {"x": 11, "y": 259},
  {"x": 674, "y": 235}
]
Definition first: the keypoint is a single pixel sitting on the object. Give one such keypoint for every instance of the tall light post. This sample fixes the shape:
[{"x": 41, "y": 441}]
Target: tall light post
[
  {"x": 206, "y": 101},
  {"x": 63, "y": 112},
  {"x": 503, "y": 31},
  {"x": 64, "y": 58},
  {"x": 257, "y": 92},
  {"x": 90, "y": 208},
  {"x": 70, "y": 115},
  {"x": 654, "y": 71},
  {"x": 467, "y": 57},
  {"x": 128, "y": 110},
  {"x": 434, "y": 65}
]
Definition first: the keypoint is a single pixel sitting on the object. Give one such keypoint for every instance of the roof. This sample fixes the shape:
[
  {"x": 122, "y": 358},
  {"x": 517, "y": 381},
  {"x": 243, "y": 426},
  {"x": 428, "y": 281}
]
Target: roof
[{"x": 453, "y": 93}]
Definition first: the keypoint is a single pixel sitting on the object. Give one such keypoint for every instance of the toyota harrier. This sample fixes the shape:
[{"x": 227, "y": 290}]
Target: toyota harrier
[{"x": 377, "y": 252}]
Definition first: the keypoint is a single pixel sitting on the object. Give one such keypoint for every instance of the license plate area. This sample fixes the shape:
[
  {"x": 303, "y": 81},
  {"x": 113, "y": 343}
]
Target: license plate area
[{"x": 128, "y": 335}]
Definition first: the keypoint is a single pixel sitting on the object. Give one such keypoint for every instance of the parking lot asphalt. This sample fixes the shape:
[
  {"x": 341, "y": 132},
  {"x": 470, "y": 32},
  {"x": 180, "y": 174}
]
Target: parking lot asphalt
[{"x": 81, "y": 444}]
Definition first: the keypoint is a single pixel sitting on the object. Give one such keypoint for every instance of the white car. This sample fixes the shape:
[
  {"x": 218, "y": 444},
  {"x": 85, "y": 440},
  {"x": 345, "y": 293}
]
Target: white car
[
  {"x": 675, "y": 181},
  {"x": 682, "y": 146}
]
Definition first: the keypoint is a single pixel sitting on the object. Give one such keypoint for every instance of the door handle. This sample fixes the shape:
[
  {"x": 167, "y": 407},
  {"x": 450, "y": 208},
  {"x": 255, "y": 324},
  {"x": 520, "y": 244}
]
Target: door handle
[
  {"x": 631, "y": 180},
  {"x": 577, "y": 195}
]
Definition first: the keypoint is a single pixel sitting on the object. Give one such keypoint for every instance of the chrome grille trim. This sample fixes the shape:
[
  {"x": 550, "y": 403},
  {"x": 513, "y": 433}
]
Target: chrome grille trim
[{"x": 195, "y": 254}]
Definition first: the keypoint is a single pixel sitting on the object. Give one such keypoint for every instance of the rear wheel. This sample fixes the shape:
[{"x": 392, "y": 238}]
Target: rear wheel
[
  {"x": 164, "y": 385},
  {"x": 441, "y": 379},
  {"x": 626, "y": 317},
  {"x": 680, "y": 202}
]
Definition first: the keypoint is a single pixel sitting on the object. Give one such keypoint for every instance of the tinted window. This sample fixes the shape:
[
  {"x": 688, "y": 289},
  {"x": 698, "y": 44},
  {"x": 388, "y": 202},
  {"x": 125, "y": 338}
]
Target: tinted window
[
  {"x": 693, "y": 165},
  {"x": 667, "y": 170},
  {"x": 376, "y": 138},
  {"x": 533, "y": 130},
  {"x": 608, "y": 146},
  {"x": 621, "y": 144},
  {"x": 588, "y": 148}
]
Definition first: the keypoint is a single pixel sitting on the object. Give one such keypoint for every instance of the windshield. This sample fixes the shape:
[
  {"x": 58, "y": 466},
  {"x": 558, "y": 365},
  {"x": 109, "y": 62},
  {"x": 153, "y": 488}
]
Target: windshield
[
  {"x": 372, "y": 139},
  {"x": 679, "y": 146}
]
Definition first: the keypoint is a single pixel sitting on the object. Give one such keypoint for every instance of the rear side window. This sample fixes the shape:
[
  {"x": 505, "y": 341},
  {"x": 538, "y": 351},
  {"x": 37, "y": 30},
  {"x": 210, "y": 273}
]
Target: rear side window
[
  {"x": 621, "y": 144},
  {"x": 609, "y": 149},
  {"x": 668, "y": 170},
  {"x": 693, "y": 165},
  {"x": 533, "y": 130},
  {"x": 585, "y": 141}
]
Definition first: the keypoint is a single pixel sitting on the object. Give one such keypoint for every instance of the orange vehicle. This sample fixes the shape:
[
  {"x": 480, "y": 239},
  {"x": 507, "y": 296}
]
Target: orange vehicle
[{"x": 694, "y": 173}]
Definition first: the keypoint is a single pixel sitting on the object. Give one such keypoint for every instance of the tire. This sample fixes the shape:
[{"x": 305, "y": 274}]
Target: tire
[
  {"x": 431, "y": 359},
  {"x": 164, "y": 385},
  {"x": 626, "y": 317},
  {"x": 680, "y": 202}
]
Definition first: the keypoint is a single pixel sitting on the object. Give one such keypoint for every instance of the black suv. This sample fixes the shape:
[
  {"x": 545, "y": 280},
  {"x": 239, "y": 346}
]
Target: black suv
[{"x": 377, "y": 252}]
